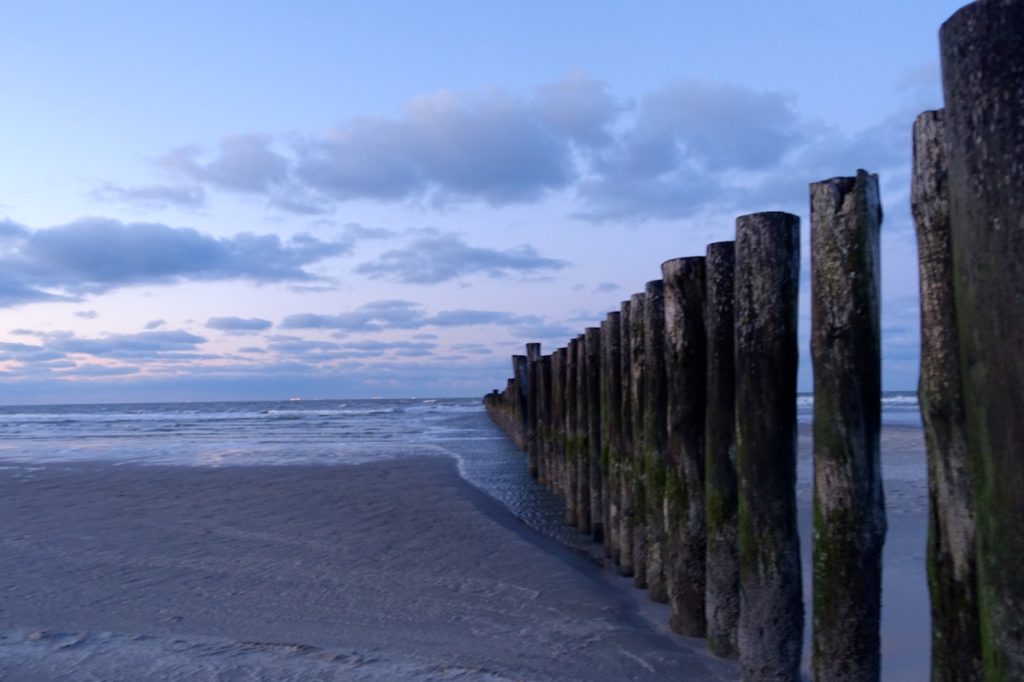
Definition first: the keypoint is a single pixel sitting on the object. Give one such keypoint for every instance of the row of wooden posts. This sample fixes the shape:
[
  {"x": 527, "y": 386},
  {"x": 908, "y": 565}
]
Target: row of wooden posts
[{"x": 670, "y": 429}]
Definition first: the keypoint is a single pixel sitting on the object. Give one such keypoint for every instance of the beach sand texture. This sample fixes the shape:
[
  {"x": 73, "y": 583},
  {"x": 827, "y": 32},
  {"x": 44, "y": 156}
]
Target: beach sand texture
[{"x": 394, "y": 570}]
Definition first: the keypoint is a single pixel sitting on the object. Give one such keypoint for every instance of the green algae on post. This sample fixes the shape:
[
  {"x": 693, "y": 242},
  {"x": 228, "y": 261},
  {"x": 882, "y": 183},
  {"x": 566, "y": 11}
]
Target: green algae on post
[
  {"x": 849, "y": 504},
  {"x": 722, "y": 599},
  {"x": 637, "y": 410},
  {"x": 771, "y": 605},
  {"x": 655, "y": 436},
  {"x": 982, "y": 48},
  {"x": 952, "y": 559},
  {"x": 686, "y": 361}
]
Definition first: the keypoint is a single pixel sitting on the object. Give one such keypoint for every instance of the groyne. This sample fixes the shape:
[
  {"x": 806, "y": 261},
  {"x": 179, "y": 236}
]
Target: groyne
[{"x": 670, "y": 429}]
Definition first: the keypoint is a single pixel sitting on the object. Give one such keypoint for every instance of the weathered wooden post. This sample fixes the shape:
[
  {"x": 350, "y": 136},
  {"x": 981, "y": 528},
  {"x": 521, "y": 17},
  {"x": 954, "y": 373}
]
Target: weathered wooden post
[
  {"x": 952, "y": 561},
  {"x": 627, "y": 469},
  {"x": 592, "y": 344},
  {"x": 571, "y": 445},
  {"x": 722, "y": 597},
  {"x": 532, "y": 400},
  {"x": 544, "y": 421},
  {"x": 686, "y": 360},
  {"x": 557, "y": 480},
  {"x": 637, "y": 404},
  {"x": 611, "y": 430},
  {"x": 521, "y": 377},
  {"x": 655, "y": 439},
  {"x": 582, "y": 438},
  {"x": 849, "y": 504},
  {"x": 771, "y": 606},
  {"x": 982, "y": 48}
]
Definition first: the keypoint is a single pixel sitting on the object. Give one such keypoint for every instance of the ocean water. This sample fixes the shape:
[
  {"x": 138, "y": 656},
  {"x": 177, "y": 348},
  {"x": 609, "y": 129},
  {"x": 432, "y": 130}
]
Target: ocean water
[
  {"x": 303, "y": 432},
  {"x": 269, "y": 433}
]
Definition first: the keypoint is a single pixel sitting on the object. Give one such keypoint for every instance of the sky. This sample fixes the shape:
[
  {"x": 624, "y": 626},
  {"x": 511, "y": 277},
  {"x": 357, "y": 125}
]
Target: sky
[{"x": 266, "y": 200}]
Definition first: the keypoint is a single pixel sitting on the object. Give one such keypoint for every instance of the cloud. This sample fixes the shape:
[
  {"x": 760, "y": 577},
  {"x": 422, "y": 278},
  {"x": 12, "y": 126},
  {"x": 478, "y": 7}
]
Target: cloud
[
  {"x": 125, "y": 346},
  {"x": 95, "y": 255},
  {"x": 28, "y": 353},
  {"x": 154, "y": 196},
  {"x": 690, "y": 147},
  {"x": 472, "y": 318},
  {"x": 444, "y": 147},
  {"x": 307, "y": 348},
  {"x": 451, "y": 146},
  {"x": 245, "y": 163},
  {"x": 438, "y": 257},
  {"x": 578, "y": 108},
  {"x": 380, "y": 316},
  {"x": 89, "y": 371},
  {"x": 238, "y": 325},
  {"x": 403, "y": 347},
  {"x": 58, "y": 350},
  {"x": 683, "y": 146},
  {"x": 474, "y": 348},
  {"x": 372, "y": 317},
  {"x": 87, "y": 314},
  {"x": 155, "y": 324}
]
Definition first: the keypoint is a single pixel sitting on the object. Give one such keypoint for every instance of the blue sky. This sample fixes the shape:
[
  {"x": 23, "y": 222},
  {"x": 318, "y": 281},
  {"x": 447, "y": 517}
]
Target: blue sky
[{"x": 344, "y": 199}]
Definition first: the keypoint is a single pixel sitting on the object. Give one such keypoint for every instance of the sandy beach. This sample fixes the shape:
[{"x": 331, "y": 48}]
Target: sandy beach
[{"x": 395, "y": 570}]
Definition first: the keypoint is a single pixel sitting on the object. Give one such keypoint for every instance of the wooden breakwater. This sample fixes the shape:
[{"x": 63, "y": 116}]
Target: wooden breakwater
[{"x": 669, "y": 430}]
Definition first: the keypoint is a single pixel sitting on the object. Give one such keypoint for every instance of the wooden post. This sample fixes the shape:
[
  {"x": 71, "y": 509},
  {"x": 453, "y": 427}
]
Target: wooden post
[
  {"x": 571, "y": 445},
  {"x": 655, "y": 438},
  {"x": 557, "y": 480},
  {"x": 532, "y": 400},
  {"x": 611, "y": 430},
  {"x": 849, "y": 504},
  {"x": 521, "y": 377},
  {"x": 686, "y": 360},
  {"x": 771, "y": 606},
  {"x": 582, "y": 438},
  {"x": 592, "y": 345},
  {"x": 627, "y": 468},
  {"x": 637, "y": 400},
  {"x": 723, "y": 576},
  {"x": 982, "y": 48},
  {"x": 544, "y": 421},
  {"x": 952, "y": 560}
]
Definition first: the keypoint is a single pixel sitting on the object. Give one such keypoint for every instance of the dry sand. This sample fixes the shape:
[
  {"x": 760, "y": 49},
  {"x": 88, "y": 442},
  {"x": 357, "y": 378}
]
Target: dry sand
[{"x": 388, "y": 571}]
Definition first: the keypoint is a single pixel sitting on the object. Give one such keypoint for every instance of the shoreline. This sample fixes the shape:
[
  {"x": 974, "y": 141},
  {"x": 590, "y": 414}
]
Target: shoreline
[{"x": 391, "y": 570}]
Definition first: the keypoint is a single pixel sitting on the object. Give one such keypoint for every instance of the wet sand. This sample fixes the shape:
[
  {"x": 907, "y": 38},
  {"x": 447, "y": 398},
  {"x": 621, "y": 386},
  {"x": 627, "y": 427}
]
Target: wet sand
[{"x": 396, "y": 570}]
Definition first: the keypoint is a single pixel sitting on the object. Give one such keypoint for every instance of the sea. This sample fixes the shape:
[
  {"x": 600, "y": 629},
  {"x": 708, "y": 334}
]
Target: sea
[
  {"x": 343, "y": 432},
  {"x": 336, "y": 432}
]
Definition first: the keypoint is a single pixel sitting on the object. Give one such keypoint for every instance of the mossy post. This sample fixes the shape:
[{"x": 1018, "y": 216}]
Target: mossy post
[
  {"x": 952, "y": 559},
  {"x": 592, "y": 346},
  {"x": 849, "y": 503},
  {"x": 685, "y": 364},
  {"x": 521, "y": 378},
  {"x": 655, "y": 440},
  {"x": 557, "y": 479},
  {"x": 722, "y": 598},
  {"x": 636, "y": 408},
  {"x": 611, "y": 430},
  {"x": 532, "y": 400},
  {"x": 627, "y": 468},
  {"x": 544, "y": 421},
  {"x": 767, "y": 285},
  {"x": 571, "y": 456},
  {"x": 982, "y": 47},
  {"x": 582, "y": 394}
]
